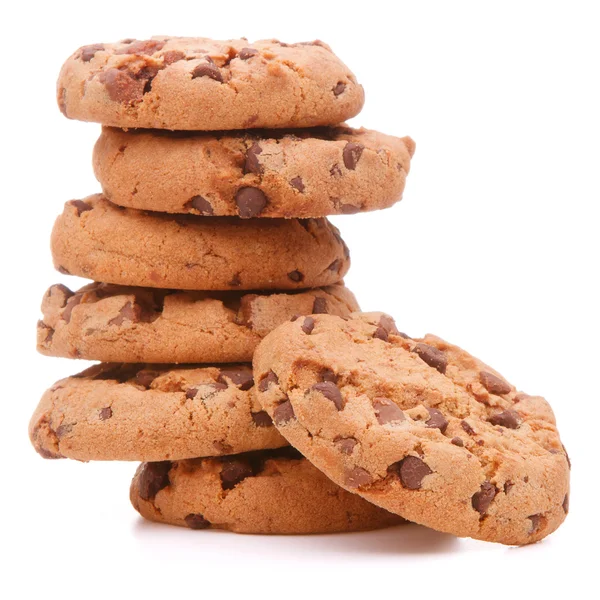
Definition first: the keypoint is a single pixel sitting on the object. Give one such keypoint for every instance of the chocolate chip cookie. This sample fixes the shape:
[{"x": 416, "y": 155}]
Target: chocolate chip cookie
[
  {"x": 272, "y": 491},
  {"x": 152, "y": 412},
  {"x": 96, "y": 239},
  {"x": 298, "y": 173},
  {"x": 114, "y": 323},
  {"x": 202, "y": 84},
  {"x": 416, "y": 426}
]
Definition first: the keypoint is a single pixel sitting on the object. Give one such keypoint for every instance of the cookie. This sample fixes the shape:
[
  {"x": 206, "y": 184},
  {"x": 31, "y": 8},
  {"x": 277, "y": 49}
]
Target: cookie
[
  {"x": 298, "y": 173},
  {"x": 152, "y": 412},
  {"x": 96, "y": 239},
  {"x": 203, "y": 84},
  {"x": 113, "y": 323},
  {"x": 271, "y": 491},
  {"x": 416, "y": 426}
]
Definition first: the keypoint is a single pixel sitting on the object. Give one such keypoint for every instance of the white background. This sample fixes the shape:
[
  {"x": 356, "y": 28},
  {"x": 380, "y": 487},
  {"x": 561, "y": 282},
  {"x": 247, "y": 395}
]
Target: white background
[{"x": 494, "y": 247}]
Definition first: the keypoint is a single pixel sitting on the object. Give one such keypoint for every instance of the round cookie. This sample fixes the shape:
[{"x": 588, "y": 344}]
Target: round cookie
[
  {"x": 270, "y": 491},
  {"x": 152, "y": 412},
  {"x": 298, "y": 173},
  {"x": 113, "y": 323},
  {"x": 416, "y": 426},
  {"x": 96, "y": 239},
  {"x": 202, "y": 84}
]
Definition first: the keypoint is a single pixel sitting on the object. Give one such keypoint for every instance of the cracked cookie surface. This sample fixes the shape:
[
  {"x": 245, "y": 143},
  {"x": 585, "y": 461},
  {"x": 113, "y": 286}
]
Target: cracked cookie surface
[
  {"x": 295, "y": 173},
  {"x": 152, "y": 412},
  {"x": 203, "y": 84},
  {"x": 417, "y": 426},
  {"x": 114, "y": 323},
  {"x": 99, "y": 240},
  {"x": 271, "y": 492}
]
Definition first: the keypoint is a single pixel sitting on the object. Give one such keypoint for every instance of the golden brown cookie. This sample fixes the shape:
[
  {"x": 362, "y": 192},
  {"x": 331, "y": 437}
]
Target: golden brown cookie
[
  {"x": 416, "y": 426},
  {"x": 152, "y": 412},
  {"x": 203, "y": 84},
  {"x": 271, "y": 491},
  {"x": 96, "y": 239},
  {"x": 114, "y": 323},
  {"x": 295, "y": 173}
]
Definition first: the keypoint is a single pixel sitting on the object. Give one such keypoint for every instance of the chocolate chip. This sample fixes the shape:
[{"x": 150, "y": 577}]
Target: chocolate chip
[
  {"x": 122, "y": 86},
  {"x": 432, "y": 356},
  {"x": 62, "y": 270},
  {"x": 507, "y": 486},
  {"x": 493, "y": 384},
  {"x": 509, "y": 419},
  {"x": 266, "y": 381},
  {"x": 357, "y": 477},
  {"x": 352, "y": 153},
  {"x": 387, "y": 411},
  {"x": 252, "y": 165},
  {"x": 250, "y": 202},
  {"x": 88, "y": 52},
  {"x": 339, "y": 88},
  {"x": 349, "y": 209},
  {"x": 235, "y": 280},
  {"x": 335, "y": 171},
  {"x": 535, "y": 523},
  {"x": 297, "y": 183},
  {"x": 335, "y": 266},
  {"x": 283, "y": 413},
  {"x": 145, "y": 377},
  {"x": 262, "y": 419},
  {"x": 80, "y": 206},
  {"x": 196, "y": 521},
  {"x": 329, "y": 375},
  {"x": 153, "y": 478},
  {"x": 144, "y": 47},
  {"x": 436, "y": 420},
  {"x": 48, "y": 329},
  {"x": 467, "y": 428},
  {"x": 202, "y": 205},
  {"x": 129, "y": 312},
  {"x": 381, "y": 334},
  {"x": 482, "y": 499},
  {"x": 105, "y": 413},
  {"x": 72, "y": 302},
  {"x": 234, "y": 471},
  {"x": 319, "y": 306},
  {"x": 411, "y": 471},
  {"x": 565, "y": 504},
  {"x": 246, "y": 53},
  {"x": 296, "y": 276},
  {"x": 457, "y": 442},
  {"x": 331, "y": 392},
  {"x": 241, "y": 377},
  {"x": 308, "y": 325},
  {"x": 208, "y": 69},
  {"x": 388, "y": 324},
  {"x": 63, "y": 429},
  {"x": 172, "y": 56},
  {"x": 345, "y": 445}
]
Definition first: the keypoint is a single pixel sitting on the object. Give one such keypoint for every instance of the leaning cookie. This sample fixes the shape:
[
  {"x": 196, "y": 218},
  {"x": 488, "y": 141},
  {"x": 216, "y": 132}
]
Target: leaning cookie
[
  {"x": 152, "y": 412},
  {"x": 270, "y": 492},
  {"x": 203, "y": 84},
  {"x": 114, "y": 323},
  {"x": 418, "y": 427},
  {"x": 298, "y": 173},
  {"x": 96, "y": 239}
]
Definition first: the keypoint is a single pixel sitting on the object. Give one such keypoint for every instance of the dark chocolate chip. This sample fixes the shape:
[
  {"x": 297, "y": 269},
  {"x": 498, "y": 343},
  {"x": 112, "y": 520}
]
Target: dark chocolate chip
[
  {"x": 252, "y": 164},
  {"x": 339, "y": 88},
  {"x": 196, "y": 521},
  {"x": 387, "y": 323},
  {"x": 329, "y": 375},
  {"x": 493, "y": 384},
  {"x": 349, "y": 209},
  {"x": 331, "y": 392},
  {"x": 105, "y": 413},
  {"x": 123, "y": 86},
  {"x": 345, "y": 445},
  {"x": 241, "y": 377},
  {"x": 507, "y": 485},
  {"x": 432, "y": 356},
  {"x": 297, "y": 184},
  {"x": 336, "y": 265},
  {"x": 262, "y": 419},
  {"x": 381, "y": 334},
  {"x": 235, "y": 280},
  {"x": 144, "y": 47},
  {"x": 283, "y": 413},
  {"x": 208, "y": 69},
  {"x": 535, "y": 523},
  {"x": 296, "y": 276},
  {"x": 266, "y": 380},
  {"x": 319, "y": 306},
  {"x": 411, "y": 471},
  {"x": 436, "y": 420},
  {"x": 145, "y": 377},
  {"x": 202, "y": 205},
  {"x": 467, "y": 428},
  {"x": 129, "y": 312},
  {"x": 482, "y": 499},
  {"x": 357, "y": 477},
  {"x": 335, "y": 171},
  {"x": 509, "y": 419},
  {"x": 250, "y": 202},
  {"x": 308, "y": 325},
  {"x": 72, "y": 302},
  {"x": 387, "y": 411},
  {"x": 246, "y": 53},
  {"x": 234, "y": 471},
  {"x": 88, "y": 52},
  {"x": 457, "y": 442},
  {"x": 153, "y": 478},
  {"x": 64, "y": 429},
  {"x": 352, "y": 153},
  {"x": 80, "y": 206}
]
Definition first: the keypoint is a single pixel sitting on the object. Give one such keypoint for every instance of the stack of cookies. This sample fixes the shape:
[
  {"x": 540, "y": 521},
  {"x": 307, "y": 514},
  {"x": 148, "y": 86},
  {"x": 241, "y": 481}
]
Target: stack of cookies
[
  {"x": 218, "y": 161},
  {"x": 235, "y": 364}
]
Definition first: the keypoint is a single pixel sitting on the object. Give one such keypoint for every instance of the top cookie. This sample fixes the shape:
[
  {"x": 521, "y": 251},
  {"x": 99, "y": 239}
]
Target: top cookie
[
  {"x": 203, "y": 84},
  {"x": 418, "y": 427}
]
